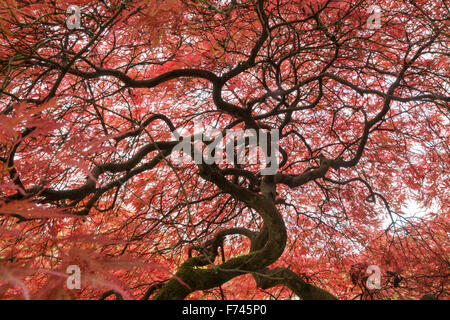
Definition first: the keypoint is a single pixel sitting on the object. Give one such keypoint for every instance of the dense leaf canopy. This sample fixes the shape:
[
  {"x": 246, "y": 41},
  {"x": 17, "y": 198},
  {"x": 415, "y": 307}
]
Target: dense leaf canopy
[{"x": 359, "y": 95}]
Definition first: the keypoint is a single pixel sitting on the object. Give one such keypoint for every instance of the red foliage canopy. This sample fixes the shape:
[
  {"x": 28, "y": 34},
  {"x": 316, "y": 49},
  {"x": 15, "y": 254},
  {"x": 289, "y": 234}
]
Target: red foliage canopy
[{"x": 359, "y": 95}]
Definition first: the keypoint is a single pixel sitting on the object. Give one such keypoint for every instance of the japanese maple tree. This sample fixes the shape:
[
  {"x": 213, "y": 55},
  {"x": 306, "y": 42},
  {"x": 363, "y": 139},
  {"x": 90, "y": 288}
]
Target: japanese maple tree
[{"x": 93, "y": 92}]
